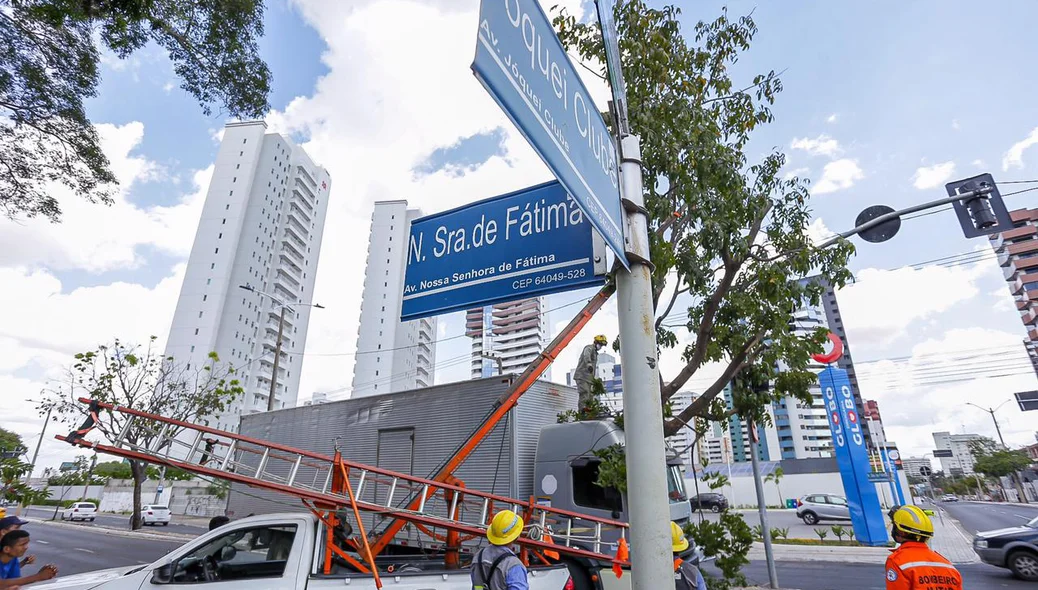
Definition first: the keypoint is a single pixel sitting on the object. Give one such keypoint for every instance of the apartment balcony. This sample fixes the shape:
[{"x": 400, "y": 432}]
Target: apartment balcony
[
  {"x": 305, "y": 192},
  {"x": 1003, "y": 256},
  {"x": 284, "y": 294},
  {"x": 997, "y": 241},
  {"x": 290, "y": 262},
  {"x": 275, "y": 316},
  {"x": 297, "y": 212},
  {"x": 305, "y": 174},
  {"x": 1029, "y": 316},
  {"x": 1027, "y": 264},
  {"x": 303, "y": 231},
  {"x": 1023, "y": 247},
  {"x": 1023, "y": 215},
  {"x": 287, "y": 278},
  {"x": 293, "y": 250},
  {"x": 1020, "y": 232},
  {"x": 1009, "y": 270},
  {"x": 298, "y": 238}
]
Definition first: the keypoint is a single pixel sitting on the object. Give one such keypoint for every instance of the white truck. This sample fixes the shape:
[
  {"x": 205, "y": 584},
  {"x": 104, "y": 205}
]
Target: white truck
[{"x": 285, "y": 552}]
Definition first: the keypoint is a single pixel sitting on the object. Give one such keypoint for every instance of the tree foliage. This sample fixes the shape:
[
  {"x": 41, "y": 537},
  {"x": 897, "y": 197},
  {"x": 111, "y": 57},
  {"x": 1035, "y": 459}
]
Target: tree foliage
[
  {"x": 137, "y": 377},
  {"x": 10, "y": 441},
  {"x": 728, "y": 236},
  {"x": 996, "y": 461},
  {"x": 727, "y": 540},
  {"x": 49, "y": 54}
]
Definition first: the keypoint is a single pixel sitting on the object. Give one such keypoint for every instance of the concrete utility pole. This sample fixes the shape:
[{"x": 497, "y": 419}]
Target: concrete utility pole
[
  {"x": 762, "y": 508},
  {"x": 36, "y": 453},
  {"x": 281, "y": 331},
  {"x": 652, "y": 565}
]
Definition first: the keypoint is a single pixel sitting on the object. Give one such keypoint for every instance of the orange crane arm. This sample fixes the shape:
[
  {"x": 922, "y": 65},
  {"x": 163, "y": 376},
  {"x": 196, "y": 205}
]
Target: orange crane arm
[{"x": 520, "y": 385}]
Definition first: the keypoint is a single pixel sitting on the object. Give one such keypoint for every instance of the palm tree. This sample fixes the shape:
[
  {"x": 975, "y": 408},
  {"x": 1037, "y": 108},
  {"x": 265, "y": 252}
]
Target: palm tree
[{"x": 776, "y": 476}]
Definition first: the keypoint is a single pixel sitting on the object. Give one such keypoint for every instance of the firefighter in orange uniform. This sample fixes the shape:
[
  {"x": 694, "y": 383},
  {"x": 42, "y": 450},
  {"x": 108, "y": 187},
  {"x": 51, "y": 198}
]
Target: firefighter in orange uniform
[{"x": 913, "y": 565}]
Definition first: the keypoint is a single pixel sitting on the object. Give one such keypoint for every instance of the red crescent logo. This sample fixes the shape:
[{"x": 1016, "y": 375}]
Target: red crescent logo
[{"x": 834, "y": 354}]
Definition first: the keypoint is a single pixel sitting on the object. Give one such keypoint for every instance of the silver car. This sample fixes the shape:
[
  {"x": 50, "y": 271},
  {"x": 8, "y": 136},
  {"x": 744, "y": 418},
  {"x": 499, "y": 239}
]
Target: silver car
[{"x": 815, "y": 507}]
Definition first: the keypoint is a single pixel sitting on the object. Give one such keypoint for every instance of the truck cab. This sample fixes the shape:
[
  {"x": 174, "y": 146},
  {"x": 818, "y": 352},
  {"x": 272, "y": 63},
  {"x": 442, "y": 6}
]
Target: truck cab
[{"x": 566, "y": 470}]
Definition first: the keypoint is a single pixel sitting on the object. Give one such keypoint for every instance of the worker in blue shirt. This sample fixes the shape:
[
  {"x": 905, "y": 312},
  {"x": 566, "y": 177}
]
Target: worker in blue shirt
[{"x": 497, "y": 567}]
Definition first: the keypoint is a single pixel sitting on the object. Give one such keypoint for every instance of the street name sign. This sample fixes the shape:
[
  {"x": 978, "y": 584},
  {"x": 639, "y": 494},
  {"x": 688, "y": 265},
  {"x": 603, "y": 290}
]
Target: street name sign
[
  {"x": 1027, "y": 400},
  {"x": 523, "y": 244},
  {"x": 522, "y": 64},
  {"x": 937, "y": 453}
]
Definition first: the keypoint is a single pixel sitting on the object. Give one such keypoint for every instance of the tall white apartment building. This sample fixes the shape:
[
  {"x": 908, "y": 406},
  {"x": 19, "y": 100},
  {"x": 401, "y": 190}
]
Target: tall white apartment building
[
  {"x": 961, "y": 462},
  {"x": 261, "y": 226},
  {"x": 517, "y": 334},
  {"x": 391, "y": 355}
]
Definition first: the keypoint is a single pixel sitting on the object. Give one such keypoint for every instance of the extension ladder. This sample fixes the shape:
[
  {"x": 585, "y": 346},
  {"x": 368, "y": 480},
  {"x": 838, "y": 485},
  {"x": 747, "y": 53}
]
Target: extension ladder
[{"x": 330, "y": 484}]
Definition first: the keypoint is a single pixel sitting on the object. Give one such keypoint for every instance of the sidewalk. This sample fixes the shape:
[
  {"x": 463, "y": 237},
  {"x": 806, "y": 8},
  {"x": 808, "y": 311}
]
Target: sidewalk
[{"x": 951, "y": 541}]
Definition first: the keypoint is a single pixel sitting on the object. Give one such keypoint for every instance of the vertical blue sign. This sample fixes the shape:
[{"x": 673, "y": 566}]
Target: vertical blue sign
[
  {"x": 890, "y": 467},
  {"x": 852, "y": 457},
  {"x": 522, "y": 64}
]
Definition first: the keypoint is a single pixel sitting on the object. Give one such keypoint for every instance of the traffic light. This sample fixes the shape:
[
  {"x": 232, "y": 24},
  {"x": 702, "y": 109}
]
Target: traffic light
[{"x": 981, "y": 210}]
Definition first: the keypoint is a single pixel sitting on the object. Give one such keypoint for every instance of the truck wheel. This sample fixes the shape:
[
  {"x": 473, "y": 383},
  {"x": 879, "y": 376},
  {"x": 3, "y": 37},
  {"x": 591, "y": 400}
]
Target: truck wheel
[
  {"x": 1024, "y": 565},
  {"x": 810, "y": 518}
]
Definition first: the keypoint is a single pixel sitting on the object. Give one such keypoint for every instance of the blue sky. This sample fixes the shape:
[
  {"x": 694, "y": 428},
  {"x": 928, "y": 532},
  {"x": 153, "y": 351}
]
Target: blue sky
[{"x": 380, "y": 92}]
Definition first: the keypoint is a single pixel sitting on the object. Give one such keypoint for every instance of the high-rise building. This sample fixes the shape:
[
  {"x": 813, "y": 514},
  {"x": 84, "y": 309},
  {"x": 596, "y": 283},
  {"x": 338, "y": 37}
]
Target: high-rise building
[
  {"x": 913, "y": 466},
  {"x": 874, "y": 423},
  {"x": 961, "y": 461},
  {"x": 261, "y": 226},
  {"x": 1017, "y": 252},
  {"x": 391, "y": 355},
  {"x": 516, "y": 336}
]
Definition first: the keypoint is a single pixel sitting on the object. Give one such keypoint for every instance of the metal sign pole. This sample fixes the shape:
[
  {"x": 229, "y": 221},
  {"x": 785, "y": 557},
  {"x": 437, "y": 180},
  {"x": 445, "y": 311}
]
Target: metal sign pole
[{"x": 651, "y": 556}]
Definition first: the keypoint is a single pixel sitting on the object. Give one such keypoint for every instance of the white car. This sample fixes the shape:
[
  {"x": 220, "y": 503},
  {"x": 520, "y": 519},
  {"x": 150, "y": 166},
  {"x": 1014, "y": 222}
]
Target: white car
[
  {"x": 154, "y": 514},
  {"x": 80, "y": 511}
]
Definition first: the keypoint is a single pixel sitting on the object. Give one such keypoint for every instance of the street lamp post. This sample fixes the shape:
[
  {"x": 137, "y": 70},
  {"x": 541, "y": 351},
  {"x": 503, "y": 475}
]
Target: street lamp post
[
  {"x": 281, "y": 331},
  {"x": 998, "y": 430}
]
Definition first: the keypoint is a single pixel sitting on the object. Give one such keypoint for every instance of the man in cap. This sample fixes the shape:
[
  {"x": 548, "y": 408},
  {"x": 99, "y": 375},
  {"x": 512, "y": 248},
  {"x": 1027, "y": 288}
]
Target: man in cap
[
  {"x": 497, "y": 567},
  {"x": 13, "y": 523}
]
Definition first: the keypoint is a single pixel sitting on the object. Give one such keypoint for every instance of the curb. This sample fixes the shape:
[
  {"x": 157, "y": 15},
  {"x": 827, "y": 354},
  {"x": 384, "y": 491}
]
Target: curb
[
  {"x": 866, "y": 555},
  {"x": 114, "y": 532}
]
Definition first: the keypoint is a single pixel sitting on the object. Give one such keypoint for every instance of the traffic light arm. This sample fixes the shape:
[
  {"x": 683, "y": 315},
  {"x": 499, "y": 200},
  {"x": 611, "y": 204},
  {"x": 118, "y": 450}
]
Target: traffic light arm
[{"x": 897, "y": 214}]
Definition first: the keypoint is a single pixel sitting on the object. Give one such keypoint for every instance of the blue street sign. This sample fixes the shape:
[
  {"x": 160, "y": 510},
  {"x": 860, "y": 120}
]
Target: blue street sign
[
  {"x": 524, "y": 244},
  {"x": 852, "y": 457},
  {"x": 889, "y": 458},
  {"x": 877, "y": 477},
  {"x": 524, "y": 67}
]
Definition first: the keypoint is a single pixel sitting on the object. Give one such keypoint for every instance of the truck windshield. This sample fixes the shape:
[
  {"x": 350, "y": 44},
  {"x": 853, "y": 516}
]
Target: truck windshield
[{"x": 676, "y": 484}]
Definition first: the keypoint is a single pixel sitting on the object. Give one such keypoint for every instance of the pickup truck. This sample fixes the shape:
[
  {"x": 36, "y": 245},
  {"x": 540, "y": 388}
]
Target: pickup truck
[{"x": 282, "y": 552}]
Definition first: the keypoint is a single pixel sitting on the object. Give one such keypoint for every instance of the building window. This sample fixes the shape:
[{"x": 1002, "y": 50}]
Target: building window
[
  {"x": 224, "y": 222},
  {"x": 204, "y": 297},
  {"x": 217, "y": 251},
  {"x": 212, "y": 266},
  {"x": 235, "y": 179},
  {"x": 244, "y": 140},
  {"x": 192, "y": 348},
  {"x": 219, "y": 237},
  {"x": 200, "y": 313},
  {"x": 196, "y": 331},
  {"x": 227, "y": 206},
  {"x": 237, "y": 166},
  {"x": 209, "y": 281}
]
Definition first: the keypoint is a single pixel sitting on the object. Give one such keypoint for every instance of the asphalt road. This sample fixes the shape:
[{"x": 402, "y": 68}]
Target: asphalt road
[
  {"x": 828, "y": 575},
  {"x": 981, "y": 516},
  {"x": 119, "y": 521},
  {"x": 75, "y": 551}
]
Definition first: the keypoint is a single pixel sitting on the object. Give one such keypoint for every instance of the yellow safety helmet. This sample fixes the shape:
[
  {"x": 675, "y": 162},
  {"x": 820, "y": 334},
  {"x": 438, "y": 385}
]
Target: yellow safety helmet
[
  {"x": 505, "y": 528},
  {"x": 678, "y": 540},
  {"x": 601, "y": 339},
  {"x": 913, "y": 522}
]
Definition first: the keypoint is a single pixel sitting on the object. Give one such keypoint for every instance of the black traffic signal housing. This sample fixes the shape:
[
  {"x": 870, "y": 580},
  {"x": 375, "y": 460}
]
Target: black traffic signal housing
[{"x": 979, "y": 214}]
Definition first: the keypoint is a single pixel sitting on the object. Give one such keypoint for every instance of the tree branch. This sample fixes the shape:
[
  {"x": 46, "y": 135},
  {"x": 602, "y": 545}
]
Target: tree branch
[{"x": 743, "y": 91}]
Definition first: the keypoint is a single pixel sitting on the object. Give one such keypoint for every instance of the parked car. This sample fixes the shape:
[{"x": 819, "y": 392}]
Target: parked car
[
  {"x": 709, "y": 501},
  {"x": 1014, "y": 548},
  {"x": 80, "y": 511},
  {"x": 815, "y": 507},
  {"x": 154, "y": 514},
  {"x": 949, "y": 498}
]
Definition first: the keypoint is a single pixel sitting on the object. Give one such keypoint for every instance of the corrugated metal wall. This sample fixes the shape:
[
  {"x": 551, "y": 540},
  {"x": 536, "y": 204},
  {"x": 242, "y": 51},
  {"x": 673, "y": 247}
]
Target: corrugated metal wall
[{"x": 412, "y": 431}]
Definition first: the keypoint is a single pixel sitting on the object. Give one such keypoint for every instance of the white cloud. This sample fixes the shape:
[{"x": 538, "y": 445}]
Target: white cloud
[
  {"x": 881, "y": 306},
  {"x": 99, "y": 238},
  {"x": 940, "y": 377},
  {"x": 928, "y": 177},
  {"x": 831, "y": 118},
  {"x": 823, "y": 145},
  {"x": 168, "y": 87},
  {"x": 796, "y": 172},
  {"x": 1014, "y": 156},
  {"x": 216, "y": 135},
  {"x": 955, "y": 124},
  {"x": 979, "y": 163},
  {"x": 817, "y": 232},
  {"x": 838, "y": 175}
]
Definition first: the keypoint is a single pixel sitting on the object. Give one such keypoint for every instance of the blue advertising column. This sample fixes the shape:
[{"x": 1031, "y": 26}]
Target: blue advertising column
[
  {"x": 852, "y": 457},
  {"x": 890, "y": 467}
]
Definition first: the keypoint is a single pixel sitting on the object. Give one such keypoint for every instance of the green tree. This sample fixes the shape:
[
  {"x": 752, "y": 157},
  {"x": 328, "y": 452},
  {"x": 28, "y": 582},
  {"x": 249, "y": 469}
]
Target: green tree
[
  {"x": 137, "y": 377},
  {"x": 729, "y": 237},
  {"x": 727, "y": 541},
  {"x": 78, "y": 475},
  {"x": 113, "y": 470},
  {"x": 997, "y": 461},
  {"x": 10, "y": 441},
  {"x": 49, "y": 53},
  {"x": 776, "y": 477},
  {"x": 12, "y": 487}
]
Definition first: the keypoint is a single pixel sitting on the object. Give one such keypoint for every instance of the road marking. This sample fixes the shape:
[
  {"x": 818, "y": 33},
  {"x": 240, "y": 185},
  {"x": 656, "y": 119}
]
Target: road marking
[
  {"x": 83, "y": 550},
  {"x": 41, "y": 542}
]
